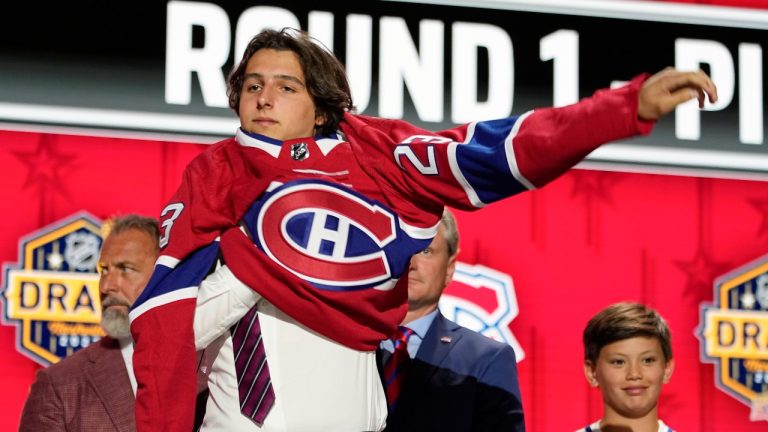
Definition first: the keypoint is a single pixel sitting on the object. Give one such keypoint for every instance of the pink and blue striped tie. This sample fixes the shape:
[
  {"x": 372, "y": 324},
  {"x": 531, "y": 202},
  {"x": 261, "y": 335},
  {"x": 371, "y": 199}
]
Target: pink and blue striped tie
[{"x": 253, "y": 381}]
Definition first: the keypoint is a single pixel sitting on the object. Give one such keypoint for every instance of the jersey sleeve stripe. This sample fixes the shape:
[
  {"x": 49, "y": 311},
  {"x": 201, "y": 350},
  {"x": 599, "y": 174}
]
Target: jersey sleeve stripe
[
  {"x": 419, "y": 233},
  {"x": 172, "y": 276},
  {"x": 173, "y": 296},
  {"x": 510, "y": 150},
  {"x": 470, "y": 132},
  {"x": 472, "y": 196},
  {"x": 167, "y": 261}
]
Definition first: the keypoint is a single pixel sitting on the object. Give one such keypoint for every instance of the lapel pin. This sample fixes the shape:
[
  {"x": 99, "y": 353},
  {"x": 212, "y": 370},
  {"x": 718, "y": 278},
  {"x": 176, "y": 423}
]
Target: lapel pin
[{"x": 445, "y": 339}]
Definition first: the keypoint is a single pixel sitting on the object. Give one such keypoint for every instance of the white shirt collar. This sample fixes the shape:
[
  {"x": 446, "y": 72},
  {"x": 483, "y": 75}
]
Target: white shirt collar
[{"x": 126, "y": 349}]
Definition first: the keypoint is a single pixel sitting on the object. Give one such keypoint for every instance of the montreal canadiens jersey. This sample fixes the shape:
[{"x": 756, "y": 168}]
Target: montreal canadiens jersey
[{"x": 324, "y": 227}]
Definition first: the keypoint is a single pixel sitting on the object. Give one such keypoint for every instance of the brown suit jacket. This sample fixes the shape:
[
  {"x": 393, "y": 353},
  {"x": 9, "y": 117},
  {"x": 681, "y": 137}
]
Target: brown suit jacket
[{"x": 88, "y": 391}]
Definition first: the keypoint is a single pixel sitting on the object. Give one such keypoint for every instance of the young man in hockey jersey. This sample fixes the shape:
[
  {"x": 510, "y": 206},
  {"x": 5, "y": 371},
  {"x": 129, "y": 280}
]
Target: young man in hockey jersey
[{"x": 315, "y": 213}]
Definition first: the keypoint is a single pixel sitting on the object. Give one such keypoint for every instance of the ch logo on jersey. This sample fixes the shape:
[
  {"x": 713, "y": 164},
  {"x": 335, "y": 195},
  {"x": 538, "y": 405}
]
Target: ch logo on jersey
[
  {"x": 733, "y": 333},
  {"x": 329, "y": 236},
  {"x": 52, "y": 297},
  {"x": 484, "y": 300}
]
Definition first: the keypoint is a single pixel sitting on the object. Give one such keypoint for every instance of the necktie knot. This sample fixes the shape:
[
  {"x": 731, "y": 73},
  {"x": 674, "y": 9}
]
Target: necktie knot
[{"x": 401, "y": 337}]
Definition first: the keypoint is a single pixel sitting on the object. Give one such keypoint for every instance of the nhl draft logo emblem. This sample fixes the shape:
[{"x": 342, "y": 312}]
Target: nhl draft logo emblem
[
  {"x": 52, "y": 295},
  {"x": 734, "y": 335},
  {"x": 482, "y": 299}
]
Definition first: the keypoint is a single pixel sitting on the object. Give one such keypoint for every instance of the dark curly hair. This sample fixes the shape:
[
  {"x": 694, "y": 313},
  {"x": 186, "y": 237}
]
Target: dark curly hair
[{"x": 325, "y": 77}]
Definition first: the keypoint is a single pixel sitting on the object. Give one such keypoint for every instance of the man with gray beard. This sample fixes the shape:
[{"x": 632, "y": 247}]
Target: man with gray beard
[{"x": 95, "y": 388}]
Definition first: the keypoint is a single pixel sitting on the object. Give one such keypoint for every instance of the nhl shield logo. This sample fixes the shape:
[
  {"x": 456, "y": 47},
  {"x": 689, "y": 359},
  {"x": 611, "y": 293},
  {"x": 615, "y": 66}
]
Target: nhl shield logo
[
  {"x": 484, "y": 300},
  {"x": 734, "y": 335},
  {"x": 299, "y": 151},
  {"x": 52, "y": 296}
]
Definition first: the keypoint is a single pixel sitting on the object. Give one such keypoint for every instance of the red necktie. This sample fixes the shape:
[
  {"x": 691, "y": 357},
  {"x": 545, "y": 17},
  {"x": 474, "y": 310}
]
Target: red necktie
[
  {"x": 396, "y": 369},
  {"x": 254, "y": 384}
]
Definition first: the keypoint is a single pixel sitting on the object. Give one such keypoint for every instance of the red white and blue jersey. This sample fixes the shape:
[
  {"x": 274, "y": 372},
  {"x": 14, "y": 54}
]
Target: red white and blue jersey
[
  {"x": 595, "y": 427},
  {"x": 324, "y": 227}
]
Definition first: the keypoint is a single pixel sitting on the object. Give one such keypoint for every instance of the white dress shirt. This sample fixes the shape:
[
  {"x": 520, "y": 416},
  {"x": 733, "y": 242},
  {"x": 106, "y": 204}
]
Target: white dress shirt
[
  {"x": 126, "y": 349},
  {"x": 319, "y": 384}
]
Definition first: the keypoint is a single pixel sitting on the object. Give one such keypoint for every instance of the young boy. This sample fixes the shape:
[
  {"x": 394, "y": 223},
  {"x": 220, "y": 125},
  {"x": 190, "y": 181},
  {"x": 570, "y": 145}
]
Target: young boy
[{"x": 628, "y": 354}]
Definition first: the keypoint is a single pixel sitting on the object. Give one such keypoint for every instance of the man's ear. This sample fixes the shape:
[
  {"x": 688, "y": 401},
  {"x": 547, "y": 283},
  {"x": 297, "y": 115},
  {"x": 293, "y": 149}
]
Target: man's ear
[
  {"x": 668, "y": 369},
  {"x": 590, "y": 373},
  {"x": 451, "y": 269},
  {"x": 319, "y": 119}
]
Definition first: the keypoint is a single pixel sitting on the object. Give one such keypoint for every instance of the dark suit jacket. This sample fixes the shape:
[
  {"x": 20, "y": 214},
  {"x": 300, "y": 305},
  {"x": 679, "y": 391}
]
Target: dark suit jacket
[
  {"x": 460, "y": 380},
  {"x": 87, "y": 391}
]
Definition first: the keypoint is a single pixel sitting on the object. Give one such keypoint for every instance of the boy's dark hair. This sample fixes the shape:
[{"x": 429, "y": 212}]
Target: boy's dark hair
[
  {"x": 119, "y": 224},
  {"x": 623, "y": 321},
  {"x": 326, "y": 80}
]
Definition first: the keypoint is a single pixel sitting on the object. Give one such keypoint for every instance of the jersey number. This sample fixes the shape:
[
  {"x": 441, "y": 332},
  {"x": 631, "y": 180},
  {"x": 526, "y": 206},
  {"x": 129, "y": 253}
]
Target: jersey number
[
  {"x": 175, "y": 210},
  {"x": 429, "y": 168}
]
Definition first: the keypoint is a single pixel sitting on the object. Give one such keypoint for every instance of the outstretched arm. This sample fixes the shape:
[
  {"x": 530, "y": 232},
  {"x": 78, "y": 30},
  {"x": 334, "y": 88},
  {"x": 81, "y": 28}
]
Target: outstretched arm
[{"x": 664, "y": 91}]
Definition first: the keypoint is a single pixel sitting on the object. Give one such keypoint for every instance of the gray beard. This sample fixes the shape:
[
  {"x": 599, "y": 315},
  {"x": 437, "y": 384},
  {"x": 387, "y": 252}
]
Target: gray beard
[{"x": 116, "y": 323}]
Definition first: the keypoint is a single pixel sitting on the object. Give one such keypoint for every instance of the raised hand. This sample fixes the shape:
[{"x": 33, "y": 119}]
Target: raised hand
[{"x": 667, "y": 89}]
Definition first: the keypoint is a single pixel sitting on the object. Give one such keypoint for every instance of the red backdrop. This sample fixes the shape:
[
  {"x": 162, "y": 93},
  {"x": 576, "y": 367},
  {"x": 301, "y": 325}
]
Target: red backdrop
[
  {"x": 589, "y": 239},
  {"x": 586, "y": 240}
]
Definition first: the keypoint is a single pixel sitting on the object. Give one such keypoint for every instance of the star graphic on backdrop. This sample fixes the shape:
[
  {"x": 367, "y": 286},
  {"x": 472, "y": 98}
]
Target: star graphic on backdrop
[
  {"x": 748, "y": 300},
  {"x": 55, "y": 261},
  {"x": 762, "y": 207},
  {"x": 45, "y": 165},
  {"x": 594, "y": 190},
  {"x": 594, "y": 186},
  {"x": 701, "y": 273}
]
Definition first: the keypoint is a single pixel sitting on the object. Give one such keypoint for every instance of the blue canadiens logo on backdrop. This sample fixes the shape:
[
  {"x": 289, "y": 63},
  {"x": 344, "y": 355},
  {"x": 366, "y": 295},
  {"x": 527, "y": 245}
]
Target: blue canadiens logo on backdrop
[{"x": 483, "y": 299}]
